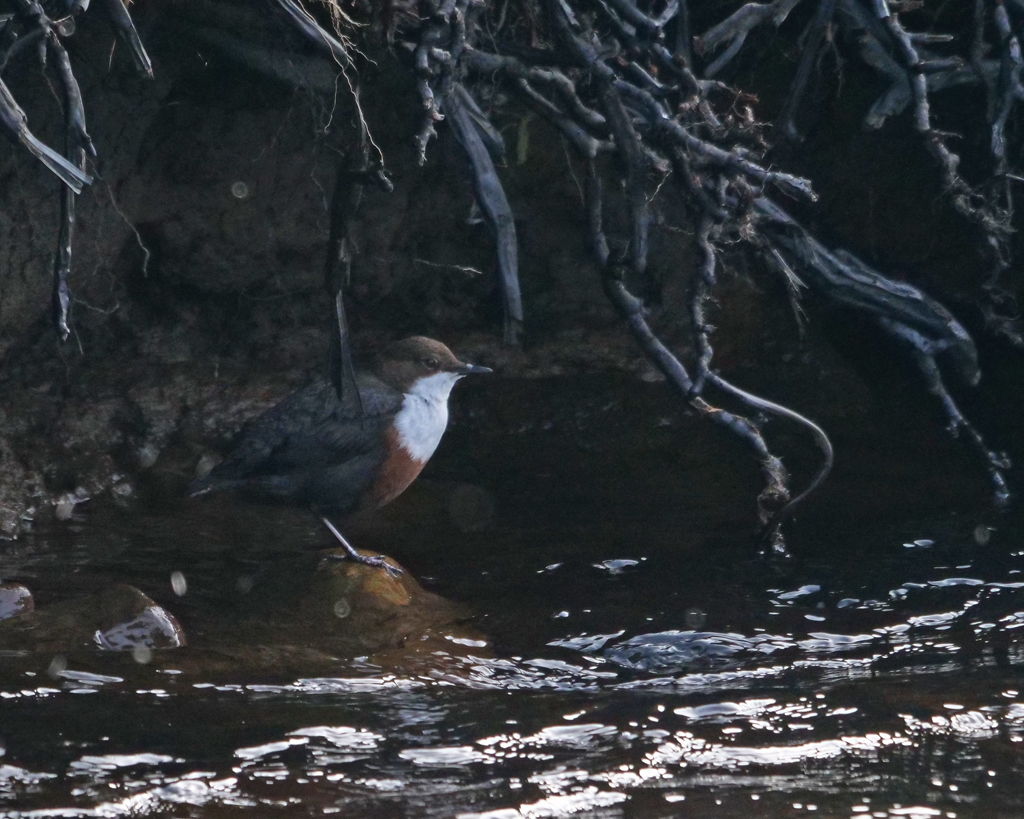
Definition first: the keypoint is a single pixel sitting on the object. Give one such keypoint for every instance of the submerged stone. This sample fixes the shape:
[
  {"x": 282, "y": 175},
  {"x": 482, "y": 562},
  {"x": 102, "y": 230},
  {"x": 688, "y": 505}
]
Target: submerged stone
[
  {"x": 15, "y": 600},
  {"x": 120, "y": 618}
]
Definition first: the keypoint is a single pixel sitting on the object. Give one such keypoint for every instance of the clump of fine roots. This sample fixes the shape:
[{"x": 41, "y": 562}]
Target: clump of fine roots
[{"x": 635, "y": 88}]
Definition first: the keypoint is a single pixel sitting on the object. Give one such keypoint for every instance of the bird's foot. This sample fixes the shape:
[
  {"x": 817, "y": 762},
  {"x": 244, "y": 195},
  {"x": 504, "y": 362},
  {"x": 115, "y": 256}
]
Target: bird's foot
[{"x": 377, "y": 561}]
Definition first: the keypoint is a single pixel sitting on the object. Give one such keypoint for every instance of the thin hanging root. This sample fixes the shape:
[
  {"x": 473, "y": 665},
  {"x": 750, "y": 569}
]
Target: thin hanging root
[
  {"x": 341, "y": 21},
  {"x": 820, "y": 438},
  {"x": 995, "y": 462},
  {"x": 77, "y": 143},
  {"x": 630, "y": 309},
  {"x": 125, "y": 29},
  {"x": 345, "y": 200},
  {"x": 14, "y": 119},
  {"x": 340, "y": 49},
  {"x": 704, "y": 281},
  {"x": 74, "y": 111},
  {"x": 61, "y": 298},
  {"x": 313, "y": 31},
  {"x": 628, "y": 143},
  {"x": 813, "y": 36},
  {"x": 491, "y": 197}
]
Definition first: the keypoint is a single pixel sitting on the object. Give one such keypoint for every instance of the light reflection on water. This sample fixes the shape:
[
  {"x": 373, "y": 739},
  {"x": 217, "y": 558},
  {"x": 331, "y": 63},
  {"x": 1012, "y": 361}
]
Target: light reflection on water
[
  {"x": 817, "y": 743},
  {"x": 918, "y": 714}
]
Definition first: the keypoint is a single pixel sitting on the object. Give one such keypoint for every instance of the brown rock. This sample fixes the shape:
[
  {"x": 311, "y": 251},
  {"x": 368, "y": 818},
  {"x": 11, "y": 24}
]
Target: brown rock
[{"x": 370, "y": 609}]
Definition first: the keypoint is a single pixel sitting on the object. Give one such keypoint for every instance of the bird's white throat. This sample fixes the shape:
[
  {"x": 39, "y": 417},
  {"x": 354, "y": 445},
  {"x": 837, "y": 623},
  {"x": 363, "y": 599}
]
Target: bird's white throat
[{"x": 422, "y": 420}]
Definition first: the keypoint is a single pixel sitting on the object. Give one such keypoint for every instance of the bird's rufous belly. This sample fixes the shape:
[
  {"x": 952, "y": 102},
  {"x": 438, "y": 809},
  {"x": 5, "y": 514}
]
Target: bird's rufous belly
[{"x": 397, "y": 471}]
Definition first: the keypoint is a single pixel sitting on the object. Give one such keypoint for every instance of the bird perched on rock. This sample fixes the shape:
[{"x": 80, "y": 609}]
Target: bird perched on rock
[{"x": 343, "y": 454}]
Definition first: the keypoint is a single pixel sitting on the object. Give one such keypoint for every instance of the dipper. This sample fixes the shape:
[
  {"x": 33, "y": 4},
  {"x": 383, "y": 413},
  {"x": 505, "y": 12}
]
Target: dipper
[{"x": 337, "y": 456}]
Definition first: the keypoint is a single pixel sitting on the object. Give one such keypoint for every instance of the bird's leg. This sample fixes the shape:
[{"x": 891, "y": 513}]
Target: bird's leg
[{"x": 378, "y": 562}]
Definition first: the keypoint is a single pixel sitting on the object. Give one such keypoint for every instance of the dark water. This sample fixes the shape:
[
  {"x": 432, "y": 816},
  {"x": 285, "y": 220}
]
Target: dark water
[{"x": 605, "y": 641}]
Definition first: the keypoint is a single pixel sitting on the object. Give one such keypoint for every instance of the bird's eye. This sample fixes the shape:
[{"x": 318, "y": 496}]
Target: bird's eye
[{"x": 430, "y": 363}]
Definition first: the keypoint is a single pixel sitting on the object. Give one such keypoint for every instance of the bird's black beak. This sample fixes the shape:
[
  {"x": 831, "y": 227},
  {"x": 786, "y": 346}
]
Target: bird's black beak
[{"x": 473, "y": 369}]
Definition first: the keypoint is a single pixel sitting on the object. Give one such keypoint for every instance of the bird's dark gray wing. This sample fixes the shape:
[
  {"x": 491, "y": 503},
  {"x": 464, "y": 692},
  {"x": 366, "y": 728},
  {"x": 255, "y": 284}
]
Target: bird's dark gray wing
[{"x": 310, "y": 430}]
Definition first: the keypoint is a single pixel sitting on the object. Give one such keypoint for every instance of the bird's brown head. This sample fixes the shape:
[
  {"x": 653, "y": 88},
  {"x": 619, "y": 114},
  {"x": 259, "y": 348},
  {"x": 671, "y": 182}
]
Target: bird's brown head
[{"x": 403, "y": 363}]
